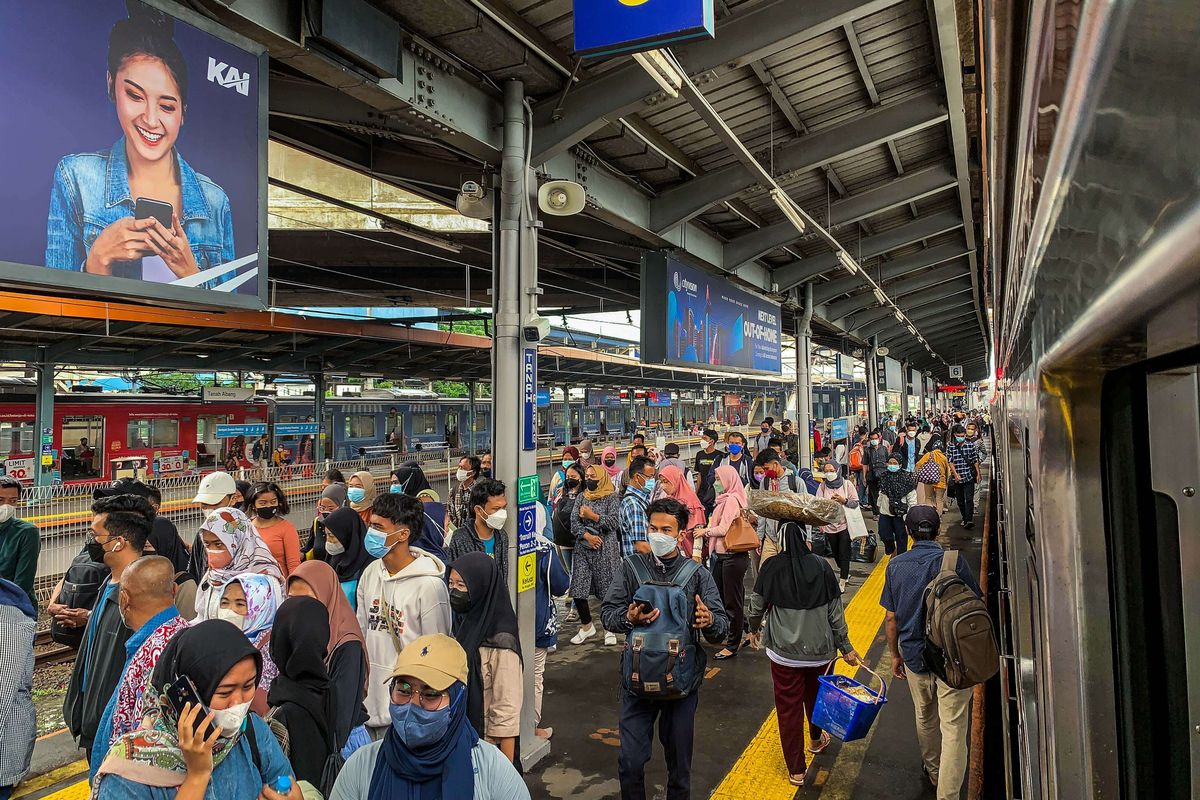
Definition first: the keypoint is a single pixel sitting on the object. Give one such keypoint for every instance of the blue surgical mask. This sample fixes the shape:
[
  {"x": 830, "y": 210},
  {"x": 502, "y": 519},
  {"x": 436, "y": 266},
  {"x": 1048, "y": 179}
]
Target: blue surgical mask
[
  {"x": 417, "y": 727},
  {"x": 960, "y": 439},
  {"x": 734, "y": 449},
  {"x": 893, "y": 467},
  {"x": 375, "y": 543},
  {"x": 356, "y": 494},
  {"x": 661, "y": 544},
  {"x": 650, "y": 486},
  {"x": 396, "y": 488}
]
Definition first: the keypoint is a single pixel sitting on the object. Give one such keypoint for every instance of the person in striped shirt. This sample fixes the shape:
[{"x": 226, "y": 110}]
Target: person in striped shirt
[{"x": 639, "y": 490}]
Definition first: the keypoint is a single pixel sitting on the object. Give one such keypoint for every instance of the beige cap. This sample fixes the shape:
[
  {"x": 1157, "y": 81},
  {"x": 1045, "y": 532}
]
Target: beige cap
[
  {"x": 431, "y": 493},
  {"x": 436, "y": 659},
  {"x": 215, "y": 487}
]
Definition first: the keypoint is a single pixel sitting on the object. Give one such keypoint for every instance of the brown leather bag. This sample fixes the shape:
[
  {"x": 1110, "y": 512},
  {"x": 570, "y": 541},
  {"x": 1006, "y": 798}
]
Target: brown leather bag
[{"x": 741, "y": 536}]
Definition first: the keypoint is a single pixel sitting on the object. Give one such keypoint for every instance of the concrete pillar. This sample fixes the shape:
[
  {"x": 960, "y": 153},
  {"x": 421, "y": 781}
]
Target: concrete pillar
[
  {"x": 43, "y": 426},
  {"x": 804, "y": 379},
  {"x": 903, "y": 391},
  {"x": 319, "y": 441},
  {"x": 872, "y": 385},
  {"x": 471, "y": 421}
]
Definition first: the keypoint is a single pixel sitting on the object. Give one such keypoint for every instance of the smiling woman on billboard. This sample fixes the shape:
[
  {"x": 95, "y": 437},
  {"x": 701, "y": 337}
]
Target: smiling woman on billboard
[{"x": 138, "y": 209}]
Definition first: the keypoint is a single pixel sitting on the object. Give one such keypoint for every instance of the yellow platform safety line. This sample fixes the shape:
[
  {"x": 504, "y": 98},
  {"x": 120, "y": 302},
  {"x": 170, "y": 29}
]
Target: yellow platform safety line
[
  {"x": 760, "y": 772},
  {"x": 52, "y": 777}
]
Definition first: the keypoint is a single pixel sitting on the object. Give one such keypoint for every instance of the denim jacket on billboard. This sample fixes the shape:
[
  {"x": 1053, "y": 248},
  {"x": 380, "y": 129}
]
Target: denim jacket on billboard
[{"x": 91, "y": 191}]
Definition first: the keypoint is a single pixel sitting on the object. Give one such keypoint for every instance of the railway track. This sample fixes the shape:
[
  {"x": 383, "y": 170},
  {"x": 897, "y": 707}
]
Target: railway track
[{"x": 47, "y": 652}]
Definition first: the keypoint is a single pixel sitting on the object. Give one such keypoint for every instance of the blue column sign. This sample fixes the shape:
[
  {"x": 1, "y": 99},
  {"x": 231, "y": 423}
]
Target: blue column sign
[
  {"x": 841, "y": 429},
  {"x": 526, "y": 527},
  {"x": 529, "y": 400}
]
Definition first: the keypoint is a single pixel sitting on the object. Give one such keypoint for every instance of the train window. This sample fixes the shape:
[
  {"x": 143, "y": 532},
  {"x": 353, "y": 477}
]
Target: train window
[
  {"x": 559, "y": 420},
  {"x": 481, "y": 421},
  {"x": 360, "y": 426},
  {"x": 424, "y": 423},
  {"x": 16, "y": 437},
  {"x": 144, "y": 433}
]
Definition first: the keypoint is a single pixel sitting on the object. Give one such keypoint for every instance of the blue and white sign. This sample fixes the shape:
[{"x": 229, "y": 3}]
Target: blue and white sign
[
  {"x": 840, "y": 429},
  {"x": 529, "y": 398},
  {"x": 543, "y": 398},
  {"x": 297, "y": 429},
  {"x": 659, "y": 399},
  {"x": 233, "y": 431},
  {"x": 526, "y": 528},
  {"x": 624, "y": 26}
]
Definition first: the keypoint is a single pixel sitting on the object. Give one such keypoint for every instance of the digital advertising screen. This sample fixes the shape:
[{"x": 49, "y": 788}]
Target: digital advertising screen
[
  {"x": 603, "y": 398},
  {"x": 693, "y": 319},
  {"x": 133, "y": 153}
]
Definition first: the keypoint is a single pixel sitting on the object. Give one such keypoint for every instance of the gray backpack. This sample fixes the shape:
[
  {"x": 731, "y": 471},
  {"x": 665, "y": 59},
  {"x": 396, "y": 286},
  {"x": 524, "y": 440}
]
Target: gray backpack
[{"x": 960, "y": 645}]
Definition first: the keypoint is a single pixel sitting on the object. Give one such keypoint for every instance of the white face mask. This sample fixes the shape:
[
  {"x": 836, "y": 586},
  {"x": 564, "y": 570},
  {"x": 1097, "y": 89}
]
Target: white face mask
[
  {"x": 230, "y": 720},
  {"x": 496, "y": 519},
  {"x": 229, "y": 615},
  {"x": 7, "y": 512},
  {"x": 462, "y": 475},
  {"x": 334, "y": 548},
  {"x": 831, "y": 476},
  {"x": 661, "y": 544}
]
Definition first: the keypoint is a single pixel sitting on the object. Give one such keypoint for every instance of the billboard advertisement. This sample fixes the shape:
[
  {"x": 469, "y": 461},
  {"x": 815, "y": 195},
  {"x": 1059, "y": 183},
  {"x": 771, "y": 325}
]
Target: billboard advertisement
[
  {"x": 603, "y": 398},
  {"x": 845, "y": 367},
  {"x": 693, "y": 319},
  {"x": 889, "y": 374},
  {"x": 659, "y": 399},
  {"x": 622, "y": 26},
  {"x": 133, "y": 153}
]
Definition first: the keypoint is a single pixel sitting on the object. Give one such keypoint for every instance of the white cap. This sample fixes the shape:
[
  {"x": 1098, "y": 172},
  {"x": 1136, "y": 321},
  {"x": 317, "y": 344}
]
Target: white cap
[{"x": 215, "y": 487}]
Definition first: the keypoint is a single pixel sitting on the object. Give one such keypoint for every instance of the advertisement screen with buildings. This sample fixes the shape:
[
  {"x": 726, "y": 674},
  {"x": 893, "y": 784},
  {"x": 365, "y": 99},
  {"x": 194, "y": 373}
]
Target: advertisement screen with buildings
[
  {"x": 133, "y": 153},
  {"x": 693, "y": 319}
]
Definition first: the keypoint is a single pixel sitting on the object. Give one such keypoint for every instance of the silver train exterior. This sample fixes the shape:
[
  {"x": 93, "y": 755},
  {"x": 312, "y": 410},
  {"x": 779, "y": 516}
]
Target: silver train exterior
[{"x": 1092, "y": 144}]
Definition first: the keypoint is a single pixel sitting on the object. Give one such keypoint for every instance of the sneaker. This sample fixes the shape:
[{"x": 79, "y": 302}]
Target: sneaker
[
  {"x": 610, "y": 639},
  {"x": 842, "y": 584},
  {"x": 584, "y": 634}
]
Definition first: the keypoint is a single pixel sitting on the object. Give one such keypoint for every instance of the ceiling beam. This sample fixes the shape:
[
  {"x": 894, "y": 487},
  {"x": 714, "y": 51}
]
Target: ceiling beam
[
  {"x": 863, "y": 132},
  {"x": 75, "y": 343},
  {"x": 825, "y": 292},
  {"x": 948, "y": 310},
  {"x": 866, "y": 308}
]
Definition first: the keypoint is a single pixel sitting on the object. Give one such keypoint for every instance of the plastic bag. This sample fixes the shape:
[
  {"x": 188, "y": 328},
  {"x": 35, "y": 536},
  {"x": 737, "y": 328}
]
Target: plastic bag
[
  {"x": 855, "y": 524},
  {"x": 792, "y": 507}
]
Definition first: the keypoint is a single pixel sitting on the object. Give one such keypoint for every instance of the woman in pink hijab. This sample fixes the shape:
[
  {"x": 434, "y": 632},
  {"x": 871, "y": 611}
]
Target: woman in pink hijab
[
  {"x": 673, "y": 484},
  {"x": 729, "y": 569},
  {"x": 608, "y": 460}
]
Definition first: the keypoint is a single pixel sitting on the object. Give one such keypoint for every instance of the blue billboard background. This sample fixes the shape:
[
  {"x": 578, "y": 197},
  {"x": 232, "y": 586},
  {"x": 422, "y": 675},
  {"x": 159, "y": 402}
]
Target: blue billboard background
[
  {"x": 691, "y": 318},
  {"x": 614, "y": 26}
]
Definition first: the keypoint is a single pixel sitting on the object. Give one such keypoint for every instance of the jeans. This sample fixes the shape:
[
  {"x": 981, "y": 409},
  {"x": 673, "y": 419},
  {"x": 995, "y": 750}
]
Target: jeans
[
  {"x": 942, "y": 721},
  {"x": 729, "y": 571},
  {"x": 676, "y": 729},
  {"x": 840, "y": 544},
  {"x": 964, "y": 493},
  {"x": 893, "y": 533},
  {"x": 873, "y": 491}
]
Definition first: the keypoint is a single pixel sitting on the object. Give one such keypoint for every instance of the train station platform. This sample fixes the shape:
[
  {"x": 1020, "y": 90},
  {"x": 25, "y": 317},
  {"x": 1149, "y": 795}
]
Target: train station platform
[{"x": 737, "y": 751}]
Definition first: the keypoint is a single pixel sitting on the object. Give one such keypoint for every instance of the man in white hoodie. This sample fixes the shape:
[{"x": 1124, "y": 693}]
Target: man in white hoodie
[{"x": 401, "y": 596}]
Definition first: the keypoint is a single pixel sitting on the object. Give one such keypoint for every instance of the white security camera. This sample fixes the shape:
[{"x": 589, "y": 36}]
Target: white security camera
[
  {"x": 473, "y": 189},
  {"x": 535, "y": 328}
]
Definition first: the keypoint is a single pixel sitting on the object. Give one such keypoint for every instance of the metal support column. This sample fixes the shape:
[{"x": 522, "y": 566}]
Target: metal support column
[
  {"x": 319, "y": 451},
  {"x": 903, "y": 391},
  {"x": 570, "y": 431},
  {"x": 804, "y": 379},
  {"x": 471, "y": 421},
  {"x": 921, "y": 397},
  {"x": 515, "y": 437},
  {"x": 43, "y": 426},
  {"x": 872, "y": 387}
]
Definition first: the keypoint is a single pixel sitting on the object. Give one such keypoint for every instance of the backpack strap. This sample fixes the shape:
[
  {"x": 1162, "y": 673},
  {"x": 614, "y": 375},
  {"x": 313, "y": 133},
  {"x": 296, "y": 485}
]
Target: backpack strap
[
  {"x": 685, "y": 573},
  {"x": 640, "y": 570},
  {"x": 949, "y": 561},
  {"x": 255, "y": 755}
]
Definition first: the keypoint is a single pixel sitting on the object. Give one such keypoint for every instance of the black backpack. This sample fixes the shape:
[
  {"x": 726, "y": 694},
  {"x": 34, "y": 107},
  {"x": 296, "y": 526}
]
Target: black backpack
[{"x": 80, "y": 588}]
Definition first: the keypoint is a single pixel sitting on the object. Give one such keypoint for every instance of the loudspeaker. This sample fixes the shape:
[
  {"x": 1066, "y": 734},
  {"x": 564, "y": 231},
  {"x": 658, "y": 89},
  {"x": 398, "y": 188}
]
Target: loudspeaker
[{"x": 561, "y": 198}]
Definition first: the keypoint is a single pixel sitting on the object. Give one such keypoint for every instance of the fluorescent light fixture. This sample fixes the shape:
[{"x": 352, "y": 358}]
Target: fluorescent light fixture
[
  {"x": 912, "y": 330},
  {"x": 847, "y": 261},
  {"x": 899, "y": 317},
  {"x": 881, "y": 297},
  {"x": 661, "y": 70},
  {"x": 789, "y": 209}
]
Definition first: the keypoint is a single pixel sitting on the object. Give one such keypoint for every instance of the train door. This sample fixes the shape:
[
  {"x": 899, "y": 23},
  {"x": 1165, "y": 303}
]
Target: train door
[
  {"x": 82, "y": 442},
  {"x": 208, "y": 446},
  {"x": 16, "y": 448},
  {"x": 451, "y": 429}
]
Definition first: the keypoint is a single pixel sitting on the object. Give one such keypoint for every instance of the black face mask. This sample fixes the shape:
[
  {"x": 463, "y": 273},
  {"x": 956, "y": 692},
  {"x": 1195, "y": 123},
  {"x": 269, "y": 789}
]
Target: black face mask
[
  {"x": 267, "y": 513},
  {"x": 460, "y": 601},
  {"x": 608, "y": 462},
  {"x": 592, "y": 485},
  {"x": 571, "y": 483},
  {"x": 95, "y": 551}
]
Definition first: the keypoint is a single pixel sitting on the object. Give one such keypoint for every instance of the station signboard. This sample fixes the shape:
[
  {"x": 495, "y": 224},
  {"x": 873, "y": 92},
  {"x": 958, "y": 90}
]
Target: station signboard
[
  {"x": 623, "y": 26},
  {"x": 297, "y": 429},
  {"x": 226, "y": 394},
  {"x": 109, "y": 91},
  {"x": 603, "y": 398},
  {"x": 845, "y": 367},
  {"x": 693, "y": 319},
  {"x": 543, "y": 398},
  {"x": 889, "y": 374},
  {"x": 233, "y": 431}
]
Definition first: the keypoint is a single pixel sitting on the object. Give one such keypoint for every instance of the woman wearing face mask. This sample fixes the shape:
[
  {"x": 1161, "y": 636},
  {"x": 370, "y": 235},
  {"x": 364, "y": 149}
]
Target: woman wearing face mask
[
  {"x": 345, "y": 534},
  {"x": 410, "y": 479},
  {"x": 233, "y": 548},
  {"x": 232, "y": 756},
  {"x": 332, "y": 498},
  {"x": 301, "y": 696},
  {"x": 673, "y": 484},
  {"x": 897, "y": 491},
  {"x": 249, "y": 602},
  {"x": 430, "y": 750},
  {"x": 269, "y": 506},
  {"x": 564, "y": 508},
  {"x": 835, "y": 488},
  {"x": 361, "y": 494},
  {"x": 729, "y": 569},
  {"x": 804, "y": 628},
  {"x": 596, "y": 526},
  {"x": 933, "y": 493},
  {"x": 586, "y": 456},
  {"x": 346, "y": 659},
  {"x": 486, "y": 627},
  {"x": 608, "y": 461},
  {"x": 570, "y": 456},
  {"x": 238, "y": 498}
]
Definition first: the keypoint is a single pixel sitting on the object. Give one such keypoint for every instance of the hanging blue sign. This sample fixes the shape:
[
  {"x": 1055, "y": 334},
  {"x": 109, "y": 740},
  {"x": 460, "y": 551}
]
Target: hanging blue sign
[
  {"x": 841, "y": 429},
  {"x": 623, "y": 26},
  {"x": 232, "y": 431},
  {"x": 296, "y": 429},
  {"x": 529, "y": 399},
  {"x": 543, "y": 398}
]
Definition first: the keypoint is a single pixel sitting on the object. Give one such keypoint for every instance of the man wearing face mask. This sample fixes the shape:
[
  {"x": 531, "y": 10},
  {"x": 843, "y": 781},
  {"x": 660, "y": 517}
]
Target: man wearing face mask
[
  {"x": 20, "y": 541},
  {"x": 430, "y": 748},
  {"x": 639, "y": 490},
  {"x": 120, "y": 527},
  {"x": 706, "y": 462},
  {"x": 875, "y": 460},
  {"x": 763, "y": 440},
  {"x": 738, "y": 458},
  {"x": 483, "y": 530},
  {"x": 146, "y": 603},
  {"x": 401, "y": 596},
  {"x": 964, "y": 474},
  {"x": 457, "y": 511},
  {"x": 907, "y": 449}
]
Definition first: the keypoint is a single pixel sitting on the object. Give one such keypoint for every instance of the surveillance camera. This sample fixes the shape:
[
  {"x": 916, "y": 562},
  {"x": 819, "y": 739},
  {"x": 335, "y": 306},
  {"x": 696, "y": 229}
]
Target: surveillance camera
[
  {"x": 473, "y": 189},
  {"x": 535, "y": 328}
]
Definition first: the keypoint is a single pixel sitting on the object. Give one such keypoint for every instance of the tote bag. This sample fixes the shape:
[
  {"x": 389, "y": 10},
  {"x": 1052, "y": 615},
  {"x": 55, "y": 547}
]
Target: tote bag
[{"x": 855, "y": 524}]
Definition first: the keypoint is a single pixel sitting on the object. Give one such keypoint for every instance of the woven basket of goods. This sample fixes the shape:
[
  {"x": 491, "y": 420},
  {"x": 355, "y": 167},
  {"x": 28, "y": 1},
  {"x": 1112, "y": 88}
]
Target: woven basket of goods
[{"x": 792, "y": 507}]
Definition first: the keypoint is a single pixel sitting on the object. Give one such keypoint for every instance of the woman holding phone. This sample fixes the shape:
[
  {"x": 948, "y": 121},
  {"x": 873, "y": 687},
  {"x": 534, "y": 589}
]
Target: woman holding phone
[{"x": 138, "y": 210}]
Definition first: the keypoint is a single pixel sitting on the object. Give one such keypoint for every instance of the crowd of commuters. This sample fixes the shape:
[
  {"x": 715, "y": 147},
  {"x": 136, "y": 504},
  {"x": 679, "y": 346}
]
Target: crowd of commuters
[{"x": 379, "y": 655}]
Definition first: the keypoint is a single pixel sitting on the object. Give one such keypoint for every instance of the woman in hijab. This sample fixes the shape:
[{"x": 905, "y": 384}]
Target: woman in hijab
[
  {"x": 596, "y": 528},
  {"x": 347, "y": 657},
  {"x": 834, "y": 487},
  {"x": 410, "y": 479},
  {"x": 804, "y": 624},
  {"x": 563, "y": 505},
  {"x": 232, "y": 547},
  {"x": 729, "y": 569},
  {"x": 570, "y": 456},
  {"x": 167, "y": 758},
  {"x": 250, "y": 602},
  {"x": 586, "y": 453},
  {"x": 361, "y": 493},
  {"x": 673, "y": 484},
  {"x": 331, "y": 499},
  {"x": 897, "y": 491},
  {"x": 486, "y": 627},
  {"x": 933, "y": 493},
  {"x": 301, "y": 696},
  {"x": 608, "y": 460},
  {"x": 344, "y": 535}
]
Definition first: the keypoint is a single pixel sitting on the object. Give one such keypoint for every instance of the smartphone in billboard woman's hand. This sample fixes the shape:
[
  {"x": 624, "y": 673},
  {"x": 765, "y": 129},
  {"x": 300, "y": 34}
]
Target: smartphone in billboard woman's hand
[{"x": 144, "y": 208}]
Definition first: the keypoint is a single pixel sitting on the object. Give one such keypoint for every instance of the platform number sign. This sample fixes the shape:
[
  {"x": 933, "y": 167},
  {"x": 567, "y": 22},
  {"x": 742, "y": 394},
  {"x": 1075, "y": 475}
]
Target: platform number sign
[{"x": 956, "y": 371}]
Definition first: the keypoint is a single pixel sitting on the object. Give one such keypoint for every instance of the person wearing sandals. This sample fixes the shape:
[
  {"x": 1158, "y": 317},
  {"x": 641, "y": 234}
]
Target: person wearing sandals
[{"x": 803, "y": 631}]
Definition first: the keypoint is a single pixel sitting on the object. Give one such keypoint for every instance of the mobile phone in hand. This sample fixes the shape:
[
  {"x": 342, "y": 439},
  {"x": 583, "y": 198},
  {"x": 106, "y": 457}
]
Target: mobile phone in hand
[
  {"x": 179, "y": 693},
  {"x": 144, "y": 208},
  {"x": 644, "y": 606}
]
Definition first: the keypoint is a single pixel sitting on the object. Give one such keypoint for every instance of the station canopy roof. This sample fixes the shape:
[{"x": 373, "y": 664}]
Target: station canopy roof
[
  {"x": 856, "y": 107},
  {"x": 90, "y": 333}
]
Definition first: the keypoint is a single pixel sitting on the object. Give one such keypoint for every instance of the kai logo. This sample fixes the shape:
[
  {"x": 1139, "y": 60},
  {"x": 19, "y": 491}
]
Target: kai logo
[
  {"x": 222, "y": 74},
  {"x": 633, "y": 2}
]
